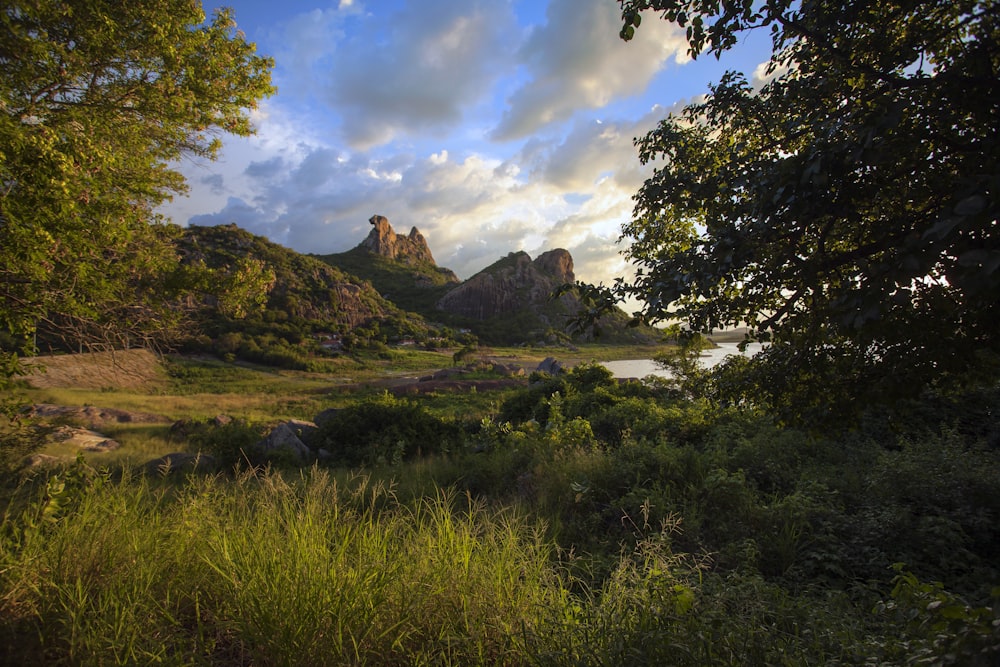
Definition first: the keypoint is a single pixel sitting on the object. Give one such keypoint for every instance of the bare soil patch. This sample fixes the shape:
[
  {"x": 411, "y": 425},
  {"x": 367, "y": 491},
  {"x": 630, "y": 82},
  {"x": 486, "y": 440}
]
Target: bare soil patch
[{"x": 122, "y": 369}]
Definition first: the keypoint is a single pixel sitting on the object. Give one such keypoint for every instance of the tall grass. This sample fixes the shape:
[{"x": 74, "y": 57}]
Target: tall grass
[
  {"x": 305, "y": 568},
  {"x": 784, "y": 555},
  {"x": 266, "y": 570}
]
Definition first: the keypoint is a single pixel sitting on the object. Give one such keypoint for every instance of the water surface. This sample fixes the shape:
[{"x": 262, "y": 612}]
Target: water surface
[{"x": 640, "y": 368}]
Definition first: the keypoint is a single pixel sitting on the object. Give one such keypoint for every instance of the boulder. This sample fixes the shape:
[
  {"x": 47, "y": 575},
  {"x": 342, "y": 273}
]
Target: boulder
[
  {"x": 508, "y": 370},
  {"x": 95, "y": 417},
  {"x": 303, "y": 429},
  {"x": 283, "y": 439},
  {"x": 85, "y": 439},
  {"x": 550, "y": 365}
]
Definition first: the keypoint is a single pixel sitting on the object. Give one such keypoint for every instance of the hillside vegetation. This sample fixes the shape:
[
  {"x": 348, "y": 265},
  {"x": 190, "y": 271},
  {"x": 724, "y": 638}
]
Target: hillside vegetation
[{"x": 419, "y": 285}]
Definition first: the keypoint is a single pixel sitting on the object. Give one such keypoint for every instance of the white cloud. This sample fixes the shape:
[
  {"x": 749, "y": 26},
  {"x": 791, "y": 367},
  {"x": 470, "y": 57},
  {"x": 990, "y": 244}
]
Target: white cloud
[
  {"x": 428, "y": 79},
  {"x": 418, "y": 71},
  {"x": 472, "y": 210},
  {"x": 578, "y": 61},
  {"x": 761, "y": 77}
]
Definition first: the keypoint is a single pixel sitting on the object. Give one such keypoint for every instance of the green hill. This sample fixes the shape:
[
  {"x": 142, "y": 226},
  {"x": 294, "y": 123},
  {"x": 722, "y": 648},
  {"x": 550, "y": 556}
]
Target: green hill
[
  {"x": 415, "y": 286},
  {"x": 307, "y": 302}
]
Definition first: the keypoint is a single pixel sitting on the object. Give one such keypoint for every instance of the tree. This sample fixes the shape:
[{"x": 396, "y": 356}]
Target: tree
[
  {"x": 846, "y": 210},
  {"x": 98, "y": 101}
]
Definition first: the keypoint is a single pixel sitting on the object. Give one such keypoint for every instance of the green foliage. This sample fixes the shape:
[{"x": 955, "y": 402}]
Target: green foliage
[
  {"x": 245, "y": 288},
  {"x": 534, "y": 403},
  {"x": 938, "y": 627},
  {"x": 386, "y": 430},
  {"x": 266, "y": 570},
  {"x": 860, "y": 237},
  {"x": 661, "y": 608},
  {"x": 764, "y": 500},
  {"x": 663, "y": 531},
  {"x": 466, "y": 354},
  {"x": 96, "y": 101},
  {"x": 231, "y": 443}
]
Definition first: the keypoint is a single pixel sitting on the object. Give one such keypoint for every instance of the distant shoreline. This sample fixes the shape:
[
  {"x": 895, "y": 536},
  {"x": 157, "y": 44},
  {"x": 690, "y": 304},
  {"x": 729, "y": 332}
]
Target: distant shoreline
[{"x": 729, "y": 336}]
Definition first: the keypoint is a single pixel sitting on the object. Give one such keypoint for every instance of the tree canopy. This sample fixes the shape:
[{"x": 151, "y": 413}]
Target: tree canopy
[
  {"x": 98, "y": 101},
  {"x": 845, "y": 208}
]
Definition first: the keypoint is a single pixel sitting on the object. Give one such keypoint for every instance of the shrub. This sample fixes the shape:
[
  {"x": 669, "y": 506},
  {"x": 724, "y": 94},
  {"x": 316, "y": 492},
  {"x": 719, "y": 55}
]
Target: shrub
[
  {"x": 230, "y": 443},
  {"x": 386, "y": 430},
  {"x": 936, "y": 627}
]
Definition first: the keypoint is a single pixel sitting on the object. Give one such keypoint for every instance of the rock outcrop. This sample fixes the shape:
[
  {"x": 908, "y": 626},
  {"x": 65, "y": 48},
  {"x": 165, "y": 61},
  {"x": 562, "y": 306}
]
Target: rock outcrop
[
  {"x": 511, "y": 285},
  {"x": 384, "y": 241},
  {"x": 85, "y": 439},
  {"x": 557, "y": 264},
  {"x": 94, "y": 417},
  {"x": 288, "y": 438}
]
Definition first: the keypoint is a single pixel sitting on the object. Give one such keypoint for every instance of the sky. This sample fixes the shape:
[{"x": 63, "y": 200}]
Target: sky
[{"x": 493, "y": 126}]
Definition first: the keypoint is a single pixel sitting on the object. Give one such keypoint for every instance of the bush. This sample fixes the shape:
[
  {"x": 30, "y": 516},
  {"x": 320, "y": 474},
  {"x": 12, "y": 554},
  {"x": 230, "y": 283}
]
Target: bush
[
  {"x": 386, "y": 430},
  {"x": 230, "y": 443}
]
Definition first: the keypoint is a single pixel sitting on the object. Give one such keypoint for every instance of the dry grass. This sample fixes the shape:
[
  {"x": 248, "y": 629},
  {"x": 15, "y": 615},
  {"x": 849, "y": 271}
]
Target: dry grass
[{"x": 122, "y": 369}]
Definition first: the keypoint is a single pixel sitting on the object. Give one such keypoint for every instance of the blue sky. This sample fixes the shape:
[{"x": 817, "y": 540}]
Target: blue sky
[{"x": 490, "y": 125}]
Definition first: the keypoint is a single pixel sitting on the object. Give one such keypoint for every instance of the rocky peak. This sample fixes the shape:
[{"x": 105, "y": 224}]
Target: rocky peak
[
  {"x": 557, "y": 263},
  {"x": 513, "y": 284},
  {"x": 383, "y": 240}
]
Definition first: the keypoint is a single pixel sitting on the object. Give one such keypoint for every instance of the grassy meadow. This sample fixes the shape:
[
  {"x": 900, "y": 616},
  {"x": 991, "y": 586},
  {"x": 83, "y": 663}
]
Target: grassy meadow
[{"x": 573, "y": 521}]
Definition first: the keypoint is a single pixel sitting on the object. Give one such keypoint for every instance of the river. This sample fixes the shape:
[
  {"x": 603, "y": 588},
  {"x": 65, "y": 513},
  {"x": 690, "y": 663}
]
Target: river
[{"x": 640, "y": 368}]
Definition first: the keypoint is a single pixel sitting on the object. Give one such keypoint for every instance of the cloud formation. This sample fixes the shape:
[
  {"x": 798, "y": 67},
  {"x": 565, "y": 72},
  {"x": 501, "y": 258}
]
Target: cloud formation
[
  {"x": 576, "y": 60},
  {"x": 472, "y": 209},
  {"x": 491, "y": 125},
  {"x": 417, "y": 69}
]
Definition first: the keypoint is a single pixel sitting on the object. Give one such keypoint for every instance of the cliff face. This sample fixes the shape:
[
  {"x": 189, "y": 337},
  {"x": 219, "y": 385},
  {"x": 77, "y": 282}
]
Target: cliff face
[
  {"x": 513, "y": 284},
  {"x": 382, "y": 240}
]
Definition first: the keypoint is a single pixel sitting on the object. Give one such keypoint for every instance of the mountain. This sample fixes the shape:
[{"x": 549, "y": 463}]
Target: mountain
[
  {"x": 507, "y": 302},
  {"x": 512, "y": 301},
  {"x": 401, "y": 268},
  {"x": 411, "y": 250},
  {"x": 510, "y": 285}
]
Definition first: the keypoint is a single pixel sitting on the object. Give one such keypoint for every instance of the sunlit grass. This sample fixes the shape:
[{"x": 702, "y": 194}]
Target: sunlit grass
[
  {"x": 527, "y": 543},
  {"x": 267, "y": 570}
]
